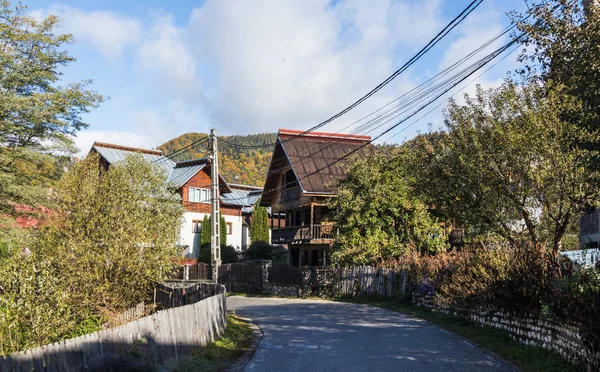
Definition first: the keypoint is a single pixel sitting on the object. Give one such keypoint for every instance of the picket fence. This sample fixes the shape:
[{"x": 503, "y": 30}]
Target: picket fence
[{"x": 163, "y": 338}]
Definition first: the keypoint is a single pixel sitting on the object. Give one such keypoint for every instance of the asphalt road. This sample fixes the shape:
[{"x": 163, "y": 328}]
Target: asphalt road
[{"x": 308, "y": 335}]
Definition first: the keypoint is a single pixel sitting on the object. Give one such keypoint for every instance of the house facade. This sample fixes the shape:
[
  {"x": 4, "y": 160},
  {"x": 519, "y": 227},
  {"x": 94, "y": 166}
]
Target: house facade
[
  {"x": 589, "y": 228},
  {"x": 192, "y": 181},
  {"x": 303, "y": 171}
]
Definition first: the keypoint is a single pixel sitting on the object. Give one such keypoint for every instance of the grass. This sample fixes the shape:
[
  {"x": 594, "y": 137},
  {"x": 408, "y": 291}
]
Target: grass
[
  {"x": 526, "y": 358},
  {"x": 224, "y": 352}
]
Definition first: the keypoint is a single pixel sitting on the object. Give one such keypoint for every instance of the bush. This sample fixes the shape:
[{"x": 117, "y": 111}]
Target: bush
[
  {"x": 260, "y": 250},
  {"x": 228, "y": 254}
]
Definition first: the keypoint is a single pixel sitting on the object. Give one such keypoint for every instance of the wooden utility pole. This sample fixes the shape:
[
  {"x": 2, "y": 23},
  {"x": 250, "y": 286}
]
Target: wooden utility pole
[{"x": 215, "y": 244}]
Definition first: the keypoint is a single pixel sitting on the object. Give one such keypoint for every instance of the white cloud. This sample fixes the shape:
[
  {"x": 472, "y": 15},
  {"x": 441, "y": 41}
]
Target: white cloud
[
  {"x": 85, "y": 139},
  {"x": 291, "y": 64},
  {"x": 106, "y": 30},
  {"x": 165, "y": 57}
]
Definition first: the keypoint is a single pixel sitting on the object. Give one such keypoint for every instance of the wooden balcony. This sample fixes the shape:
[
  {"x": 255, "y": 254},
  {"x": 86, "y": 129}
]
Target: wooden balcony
[
  {"x": 291, "y": 194},
  {"x": 321, "y": 234}
]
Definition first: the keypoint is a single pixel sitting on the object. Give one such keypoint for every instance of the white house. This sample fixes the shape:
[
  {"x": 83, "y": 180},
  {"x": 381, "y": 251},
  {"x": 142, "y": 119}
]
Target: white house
[{"x": 191, "y": 180}]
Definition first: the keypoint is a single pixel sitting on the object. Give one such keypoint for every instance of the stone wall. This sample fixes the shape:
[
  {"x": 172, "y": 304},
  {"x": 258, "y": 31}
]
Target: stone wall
[
  {"x": 282, "y": 290},
  {"x": 563, "y": 339}
]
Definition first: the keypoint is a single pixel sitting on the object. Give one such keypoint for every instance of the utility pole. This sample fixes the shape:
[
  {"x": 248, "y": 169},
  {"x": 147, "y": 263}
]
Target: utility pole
[{"x": 215, "y": 244}]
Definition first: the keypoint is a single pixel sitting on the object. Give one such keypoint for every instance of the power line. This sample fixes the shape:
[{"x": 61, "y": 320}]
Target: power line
[
  {"x": 181, "y": 150},
  {"x": 443, "y": 33},
  {"x": 481, "y": 63}
]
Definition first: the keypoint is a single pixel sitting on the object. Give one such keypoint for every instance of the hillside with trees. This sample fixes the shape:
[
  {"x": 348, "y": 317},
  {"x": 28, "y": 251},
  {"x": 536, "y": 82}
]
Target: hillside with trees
[{"x": 246, "y": 166}]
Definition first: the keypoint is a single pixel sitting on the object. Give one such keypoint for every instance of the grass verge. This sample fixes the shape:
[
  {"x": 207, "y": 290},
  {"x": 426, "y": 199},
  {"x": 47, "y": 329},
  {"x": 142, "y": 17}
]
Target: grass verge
[
  {"x": 224, "y": 352},
  {"x": 526, "y": 358}
]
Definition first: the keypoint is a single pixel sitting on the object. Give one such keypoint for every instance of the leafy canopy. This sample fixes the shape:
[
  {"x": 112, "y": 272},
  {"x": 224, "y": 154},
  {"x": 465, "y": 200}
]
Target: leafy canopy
[
  {"x": 38, "y": 115},
  {"x": 259, "y": 228},
  {"x": 377, "y": 214},
  {"x": 113, "y": 239}
]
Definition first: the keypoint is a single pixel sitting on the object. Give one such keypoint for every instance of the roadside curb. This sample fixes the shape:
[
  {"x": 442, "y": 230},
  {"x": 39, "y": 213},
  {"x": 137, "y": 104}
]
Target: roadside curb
[{"x": 257, "y": 336}]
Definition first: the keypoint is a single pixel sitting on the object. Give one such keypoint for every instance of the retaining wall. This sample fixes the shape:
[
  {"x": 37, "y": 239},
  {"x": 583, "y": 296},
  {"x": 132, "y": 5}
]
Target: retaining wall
[
  {"x": 161, "y": 338},
  {"x": 563, "y": 339}
]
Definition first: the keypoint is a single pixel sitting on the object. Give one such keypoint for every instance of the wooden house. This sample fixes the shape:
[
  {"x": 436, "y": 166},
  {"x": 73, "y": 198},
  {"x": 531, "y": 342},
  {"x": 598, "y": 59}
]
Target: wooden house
[{"x": 301, "y": 179}]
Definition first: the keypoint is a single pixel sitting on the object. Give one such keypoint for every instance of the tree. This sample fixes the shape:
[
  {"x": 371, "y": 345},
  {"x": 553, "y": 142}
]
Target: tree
[
  {"x": 205, "y": 238},
  {"x": 377, "y": 214},
  {"x": 562, "y": 43},
  {"x": 112, "y": 239},
  {"x": 37, "y": 115},
  {"x": 259, "y": 228},
  {"x": 205, "y": 234},
  {"x": 515, "y": 162}
]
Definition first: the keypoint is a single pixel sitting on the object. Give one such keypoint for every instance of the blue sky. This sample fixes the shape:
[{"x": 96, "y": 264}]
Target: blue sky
[{"x": 246, "y": 66}]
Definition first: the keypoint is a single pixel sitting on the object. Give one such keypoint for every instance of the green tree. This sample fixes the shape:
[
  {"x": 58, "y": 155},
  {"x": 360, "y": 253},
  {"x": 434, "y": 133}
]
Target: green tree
[
  {"x": 377, "y": 214},
  {"x": 112, "y": 239},
  {"x": 562, "y": 43},
  {"x": 515, "y": 162},
  {"x": 259, "y": 228},
  {"x": 205, "y": 238},
  {"x": 205, "y": 234},
  {"x": 222, "y": 230},
  {"x": 38, "y": 116}
]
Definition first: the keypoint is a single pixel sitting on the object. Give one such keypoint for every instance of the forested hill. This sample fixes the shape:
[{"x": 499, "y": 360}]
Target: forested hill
[{"x": 246, "y": 166}]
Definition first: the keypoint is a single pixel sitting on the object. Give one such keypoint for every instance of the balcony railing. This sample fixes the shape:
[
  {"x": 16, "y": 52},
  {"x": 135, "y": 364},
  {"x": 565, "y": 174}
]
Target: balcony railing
[
  {"x": 290, "y": 194},
  {"x": 286, "y": 235}
]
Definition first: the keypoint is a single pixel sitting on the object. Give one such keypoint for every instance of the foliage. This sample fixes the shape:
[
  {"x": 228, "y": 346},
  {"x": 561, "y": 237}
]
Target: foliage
[
  {"x": 260, "y": 250},
  {"x": 377, "y": 214},
  {"x": 246, "y": 166},
  {"x": 259, "y": 228},
  {"x": 562, "y": 48},
  {"x": 205, "y": 238},
  {"x": 221, "y": 354},
  {"x": 509, "y": 164},
  {"x": 37, "y": 115},
  {"x": 111, "y": 241},
  {"x": 228, "y": 254}
]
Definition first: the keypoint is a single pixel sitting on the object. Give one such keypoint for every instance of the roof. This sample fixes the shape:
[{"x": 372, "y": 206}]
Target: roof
[
  {"x": 116, "y": 153},
  {"x": 584, "y": 257},
  {"x": 242, "y": 198},
  {"x": 178, "y": 173},
  {"x": 317, "y": 158}
]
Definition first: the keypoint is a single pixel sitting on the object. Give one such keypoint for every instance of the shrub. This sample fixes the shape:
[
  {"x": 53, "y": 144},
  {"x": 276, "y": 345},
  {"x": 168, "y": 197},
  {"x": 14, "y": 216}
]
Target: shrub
[{"x": 260, "y": 250}]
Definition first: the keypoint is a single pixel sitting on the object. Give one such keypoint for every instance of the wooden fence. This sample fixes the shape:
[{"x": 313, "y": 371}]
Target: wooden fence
[
  {"x": 161, "y": 338},
  {"x": 239, "y": 277},
  {"x": 197, "y": 271},
  {"x": 177, "y": 293},
  {"x": 371, "y": 281},
  {"x": 285, "y": 275}
]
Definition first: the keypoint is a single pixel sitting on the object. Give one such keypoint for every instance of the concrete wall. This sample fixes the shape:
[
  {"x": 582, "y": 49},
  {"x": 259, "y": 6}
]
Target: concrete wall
[
  {"x": 161, "y": 338},
  {"x": 192, "y": 240}
]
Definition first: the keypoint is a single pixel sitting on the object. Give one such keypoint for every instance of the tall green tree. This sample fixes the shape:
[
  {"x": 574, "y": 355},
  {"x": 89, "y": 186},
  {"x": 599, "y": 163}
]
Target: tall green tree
[
  {"x": 205, "y": 237},
  {"x": 562, "y": 40},
  {"x": 113, "y": 237},
  {"x": 378, "y": 215},
  {"x": 38, "y": 112},
  {"x": 259, "y": 228},
  {"x": 515, "y": 164}
]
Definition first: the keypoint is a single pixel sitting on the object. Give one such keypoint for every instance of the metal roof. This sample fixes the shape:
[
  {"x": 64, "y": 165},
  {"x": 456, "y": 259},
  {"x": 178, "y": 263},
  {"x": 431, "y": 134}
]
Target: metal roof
[
  {"x": 242, "y": 198},
  {"x": 584, "y": 257},
  {"x": 112, "y": 156},
  {"x": 180, "y": 175}
]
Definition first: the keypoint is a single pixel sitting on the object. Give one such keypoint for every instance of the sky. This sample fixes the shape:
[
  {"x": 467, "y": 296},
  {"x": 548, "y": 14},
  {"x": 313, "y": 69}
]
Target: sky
[{"x": 254, "y": 66}]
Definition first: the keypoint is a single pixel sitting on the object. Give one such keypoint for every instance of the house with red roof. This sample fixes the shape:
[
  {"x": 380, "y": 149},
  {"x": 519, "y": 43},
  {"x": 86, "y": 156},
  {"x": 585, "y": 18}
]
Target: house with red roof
[{"x": 301, "y": 180}]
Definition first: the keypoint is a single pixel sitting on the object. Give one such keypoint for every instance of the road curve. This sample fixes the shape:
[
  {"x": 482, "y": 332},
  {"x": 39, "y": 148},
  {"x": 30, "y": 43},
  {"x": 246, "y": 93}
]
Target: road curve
[{"x": 309, "y": 335}]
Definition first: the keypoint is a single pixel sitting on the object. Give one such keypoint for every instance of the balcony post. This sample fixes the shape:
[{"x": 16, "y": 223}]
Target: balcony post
[{"x": 312, "y": 220}]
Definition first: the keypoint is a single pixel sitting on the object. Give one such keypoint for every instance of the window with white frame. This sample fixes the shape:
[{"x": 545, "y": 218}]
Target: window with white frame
[
  {"x": 196, "y": 226},
  {"x": 198, "y": 195}
]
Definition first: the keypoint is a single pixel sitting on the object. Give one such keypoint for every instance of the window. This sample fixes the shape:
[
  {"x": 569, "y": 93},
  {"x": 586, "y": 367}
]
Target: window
[
  {"x": 196, "y": 226},
  {"x": 199, "y": 195},
  {"x": 229, "y": 228}
]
